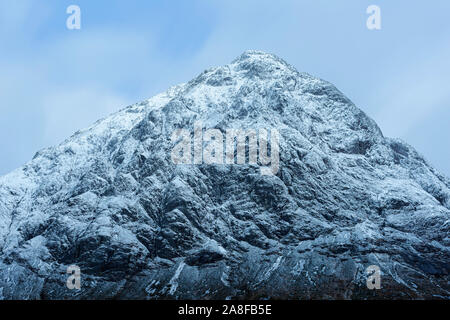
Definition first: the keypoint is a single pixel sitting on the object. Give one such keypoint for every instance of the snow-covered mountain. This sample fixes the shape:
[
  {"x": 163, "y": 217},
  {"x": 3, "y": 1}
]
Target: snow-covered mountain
[{"x": 110, "y": 200}]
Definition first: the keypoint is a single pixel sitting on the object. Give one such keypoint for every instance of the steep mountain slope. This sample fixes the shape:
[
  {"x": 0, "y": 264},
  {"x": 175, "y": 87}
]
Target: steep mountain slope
[{"x": 110, "y": 200}]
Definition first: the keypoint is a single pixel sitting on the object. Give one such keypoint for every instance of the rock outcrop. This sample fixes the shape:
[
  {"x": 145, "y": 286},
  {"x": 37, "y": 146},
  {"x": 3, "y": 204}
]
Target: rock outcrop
[{"x": 110, "y": 200}]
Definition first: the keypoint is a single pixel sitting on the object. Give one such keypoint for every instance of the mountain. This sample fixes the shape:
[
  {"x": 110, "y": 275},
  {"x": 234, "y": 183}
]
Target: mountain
[{"x": 111, "y": 200}]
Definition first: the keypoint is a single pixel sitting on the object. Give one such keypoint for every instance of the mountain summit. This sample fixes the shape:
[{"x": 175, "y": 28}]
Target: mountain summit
[{"x": 110, "y": 201}]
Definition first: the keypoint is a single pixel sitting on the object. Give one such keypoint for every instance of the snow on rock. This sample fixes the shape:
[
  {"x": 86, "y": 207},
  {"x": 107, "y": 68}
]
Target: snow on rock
[{"x": 110, "y": 200}]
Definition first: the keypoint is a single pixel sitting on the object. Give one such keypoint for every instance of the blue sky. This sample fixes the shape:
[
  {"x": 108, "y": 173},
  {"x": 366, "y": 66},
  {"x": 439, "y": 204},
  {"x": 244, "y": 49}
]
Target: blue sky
[{"x": 54, "y": 81}]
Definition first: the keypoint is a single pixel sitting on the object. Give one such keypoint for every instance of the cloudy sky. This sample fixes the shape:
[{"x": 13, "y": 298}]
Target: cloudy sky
[{"x": 54, "y": 81}]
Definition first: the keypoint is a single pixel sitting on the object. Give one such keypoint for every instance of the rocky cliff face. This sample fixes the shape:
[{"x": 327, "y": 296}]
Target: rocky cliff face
[{"x": 110, "y": 200}]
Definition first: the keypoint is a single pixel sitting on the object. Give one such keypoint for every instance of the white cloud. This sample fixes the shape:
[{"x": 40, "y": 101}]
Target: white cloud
[
  {"x": 66, "y": 85},
  {"x": 69, "y": 109},
  {"x": 414, "y": 94}
]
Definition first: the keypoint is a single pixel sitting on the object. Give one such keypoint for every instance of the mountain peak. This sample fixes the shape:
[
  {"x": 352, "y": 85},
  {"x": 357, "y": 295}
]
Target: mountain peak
[
  {"x": 259, "y": 63},
  {"x": 252, "y": 55},
  {"x": 112, "y": 201}
]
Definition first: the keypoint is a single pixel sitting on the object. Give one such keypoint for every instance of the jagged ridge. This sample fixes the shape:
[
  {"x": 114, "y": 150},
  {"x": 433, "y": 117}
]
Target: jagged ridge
[{"x": 110, "y": 200}]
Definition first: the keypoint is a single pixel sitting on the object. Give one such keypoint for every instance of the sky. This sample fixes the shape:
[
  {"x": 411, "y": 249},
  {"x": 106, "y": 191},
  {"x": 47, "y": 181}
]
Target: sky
[{"x": 55, "y": 81}]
